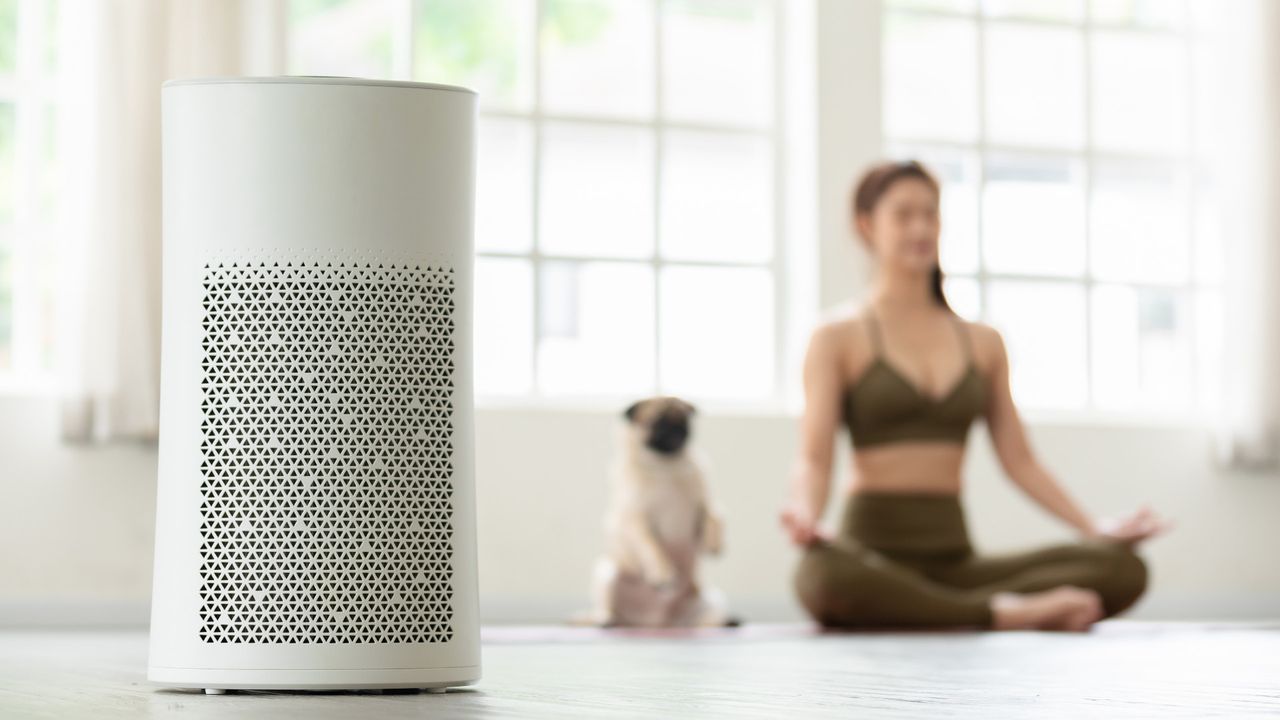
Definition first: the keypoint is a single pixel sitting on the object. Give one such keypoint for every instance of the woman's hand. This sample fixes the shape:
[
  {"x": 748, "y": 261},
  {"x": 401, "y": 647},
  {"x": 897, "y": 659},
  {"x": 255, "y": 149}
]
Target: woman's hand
[
  {"x": 801, "y": 523},
  {"x": 1141, "y": 525}
]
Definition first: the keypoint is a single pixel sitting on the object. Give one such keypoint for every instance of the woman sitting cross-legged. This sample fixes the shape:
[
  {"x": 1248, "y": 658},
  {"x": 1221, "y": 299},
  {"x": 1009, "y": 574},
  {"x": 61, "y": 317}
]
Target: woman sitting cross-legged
[{"x": 908, "y": 376}]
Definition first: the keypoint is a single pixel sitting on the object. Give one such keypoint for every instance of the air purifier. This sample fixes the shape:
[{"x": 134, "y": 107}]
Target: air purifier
[{"x": 315, "y": 516}]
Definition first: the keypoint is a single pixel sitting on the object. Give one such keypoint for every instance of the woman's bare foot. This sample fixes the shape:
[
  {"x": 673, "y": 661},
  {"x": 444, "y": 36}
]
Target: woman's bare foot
[{"x": 1067, "y": 608}]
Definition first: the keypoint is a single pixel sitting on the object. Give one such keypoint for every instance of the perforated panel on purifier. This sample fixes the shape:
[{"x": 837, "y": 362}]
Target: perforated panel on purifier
[{"x": 327, "y": 444}]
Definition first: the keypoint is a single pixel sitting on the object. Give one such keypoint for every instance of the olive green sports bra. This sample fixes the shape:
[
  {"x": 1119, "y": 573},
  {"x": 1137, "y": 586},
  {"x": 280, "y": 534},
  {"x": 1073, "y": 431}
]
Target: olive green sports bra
[{"x": 883, "y": 406}]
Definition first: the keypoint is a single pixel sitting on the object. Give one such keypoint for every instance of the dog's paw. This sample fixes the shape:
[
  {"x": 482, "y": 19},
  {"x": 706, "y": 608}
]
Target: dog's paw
[
  {"x": 713, "y": 536},
  {"x": 714, "y": 546}
]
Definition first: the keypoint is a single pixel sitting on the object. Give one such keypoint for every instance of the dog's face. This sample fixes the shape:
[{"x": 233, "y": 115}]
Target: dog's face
[{"x": 661, "y": 423}]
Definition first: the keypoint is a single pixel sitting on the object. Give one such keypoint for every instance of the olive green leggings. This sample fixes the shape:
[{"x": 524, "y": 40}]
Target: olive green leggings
[{"x": 904, "y": 559}]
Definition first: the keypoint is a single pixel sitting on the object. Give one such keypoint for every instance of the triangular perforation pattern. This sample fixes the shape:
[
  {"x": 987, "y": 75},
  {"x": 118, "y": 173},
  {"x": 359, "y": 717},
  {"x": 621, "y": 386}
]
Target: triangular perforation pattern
[{"x": 326, "y": 501}]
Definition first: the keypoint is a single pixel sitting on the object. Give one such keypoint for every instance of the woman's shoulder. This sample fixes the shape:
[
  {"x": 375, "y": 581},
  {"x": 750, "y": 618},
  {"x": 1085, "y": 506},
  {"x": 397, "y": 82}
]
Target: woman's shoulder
[
  {"x": 988, "y": 342},
  {"x": 842, "y": 331},
  {"x": 841, "y": 321}
]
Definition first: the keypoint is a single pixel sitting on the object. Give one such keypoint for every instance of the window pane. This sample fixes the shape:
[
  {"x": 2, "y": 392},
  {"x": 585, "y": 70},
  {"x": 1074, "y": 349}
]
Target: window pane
[
  {"x": 963, "y": 296},
  {"x": 8, "y": 35},
  {"x": 930, "y": 77},
  {"x": 1140, "y": 93},
  {"x": 1034, "y": 215},
  {"x": 597, "y": 328},
  {"x": 717, "y": 63},
  {"x": 1139, "y": 222},
  {"x": 598, "y": 57},
  {"x": 958, "y": 171},
  {"x": 1212, "y": 100},
  {"x": 6, "y": 309},
  {"x": 49, "y": 172},
  {"x": 1141, "y": 349},
  {"x": 504, "y": 186},
  {"x": 1035, "y": 85},
  {"x": 717, "y": 197},
  {"x": 503, "y": 326},
  {"x": 946, "y": 5},
  {"x": 1210, "y": 254},
  {"x": 8, "y": 147},
  {"x": 486, "y": 45},
  {"x": 1209, "y": 344},
  {"x": 1065, "y": 10},
  {"x": 1043, "y": 324},
  {"x": 51, "y": 13},
  {"x": 1147, "y": 13},
  {"x": 597, "y": 191},
  {"x": 717, "y": 332},
  {"x": 341, "y": 37}
]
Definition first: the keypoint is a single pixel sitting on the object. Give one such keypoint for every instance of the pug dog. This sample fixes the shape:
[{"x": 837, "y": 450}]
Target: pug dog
[{"x": 659, "y": 521}]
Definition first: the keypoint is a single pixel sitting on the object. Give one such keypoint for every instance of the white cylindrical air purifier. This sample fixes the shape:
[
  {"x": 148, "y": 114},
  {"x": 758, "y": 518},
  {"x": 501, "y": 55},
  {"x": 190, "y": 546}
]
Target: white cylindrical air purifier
[{"x": 315, "y": 518}]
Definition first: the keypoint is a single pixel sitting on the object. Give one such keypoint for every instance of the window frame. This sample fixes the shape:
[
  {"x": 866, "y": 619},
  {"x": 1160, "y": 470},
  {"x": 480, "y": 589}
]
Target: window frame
[
  {"x": 30, "y": 91},
  {"x": 403, "y": 52}
]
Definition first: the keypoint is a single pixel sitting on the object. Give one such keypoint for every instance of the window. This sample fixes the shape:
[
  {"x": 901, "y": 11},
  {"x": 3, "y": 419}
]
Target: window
[
  {"x": 28, "y": 170},
  {"x": 1076, "y": 217},
  {"x": 626, "y": 222}
]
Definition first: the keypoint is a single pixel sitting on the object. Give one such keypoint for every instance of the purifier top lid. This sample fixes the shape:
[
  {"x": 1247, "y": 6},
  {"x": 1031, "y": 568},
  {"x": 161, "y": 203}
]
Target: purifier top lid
[{"x": 317, "y": 80}]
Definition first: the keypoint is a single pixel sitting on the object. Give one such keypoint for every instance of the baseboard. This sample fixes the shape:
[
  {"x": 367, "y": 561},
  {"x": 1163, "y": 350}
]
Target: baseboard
[
  {"x": 518, "y": 610},
  {"x": 1207, "y": 605},
  {"x": 75, "y": 614}
]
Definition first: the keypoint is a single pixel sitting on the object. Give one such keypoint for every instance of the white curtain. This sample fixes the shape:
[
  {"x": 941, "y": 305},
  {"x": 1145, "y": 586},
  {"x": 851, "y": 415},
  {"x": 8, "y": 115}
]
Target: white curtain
[
  {"x": 114, "y": 57},
  {"x": 1244, "y": 106}
]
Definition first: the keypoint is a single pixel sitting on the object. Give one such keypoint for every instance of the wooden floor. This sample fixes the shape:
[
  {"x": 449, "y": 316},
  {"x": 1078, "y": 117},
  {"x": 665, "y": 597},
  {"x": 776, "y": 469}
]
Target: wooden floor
[{"x": 1122, "y": 668}]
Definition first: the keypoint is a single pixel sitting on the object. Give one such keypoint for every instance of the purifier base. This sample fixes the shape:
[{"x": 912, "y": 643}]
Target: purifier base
[{"x": 430, "y": 679}]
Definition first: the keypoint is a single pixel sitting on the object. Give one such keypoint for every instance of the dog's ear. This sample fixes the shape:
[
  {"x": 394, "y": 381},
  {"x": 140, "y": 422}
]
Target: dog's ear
[
  {"x": 630, "y": 412},
  {"x": 690, "y": 407}
]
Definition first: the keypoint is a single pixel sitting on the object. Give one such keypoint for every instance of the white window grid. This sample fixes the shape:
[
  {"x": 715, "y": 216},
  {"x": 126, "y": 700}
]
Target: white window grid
[
  {"x": 403, "y": 48},
  {"x": 1090, "y": 155}
]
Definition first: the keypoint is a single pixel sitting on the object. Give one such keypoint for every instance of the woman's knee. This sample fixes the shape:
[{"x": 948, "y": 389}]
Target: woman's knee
[
  {"x": 1126, "y": 576},
  {"x": 808, "y": 575},
  {"x": 823, "y": 581}
]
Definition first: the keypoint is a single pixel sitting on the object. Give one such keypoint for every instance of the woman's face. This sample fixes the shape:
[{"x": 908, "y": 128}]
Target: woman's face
[{"x": 902, "y": 229}]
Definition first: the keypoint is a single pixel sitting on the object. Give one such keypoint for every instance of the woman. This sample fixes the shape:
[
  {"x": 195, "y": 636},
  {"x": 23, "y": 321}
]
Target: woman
[{"x": 908, "y": 376}]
